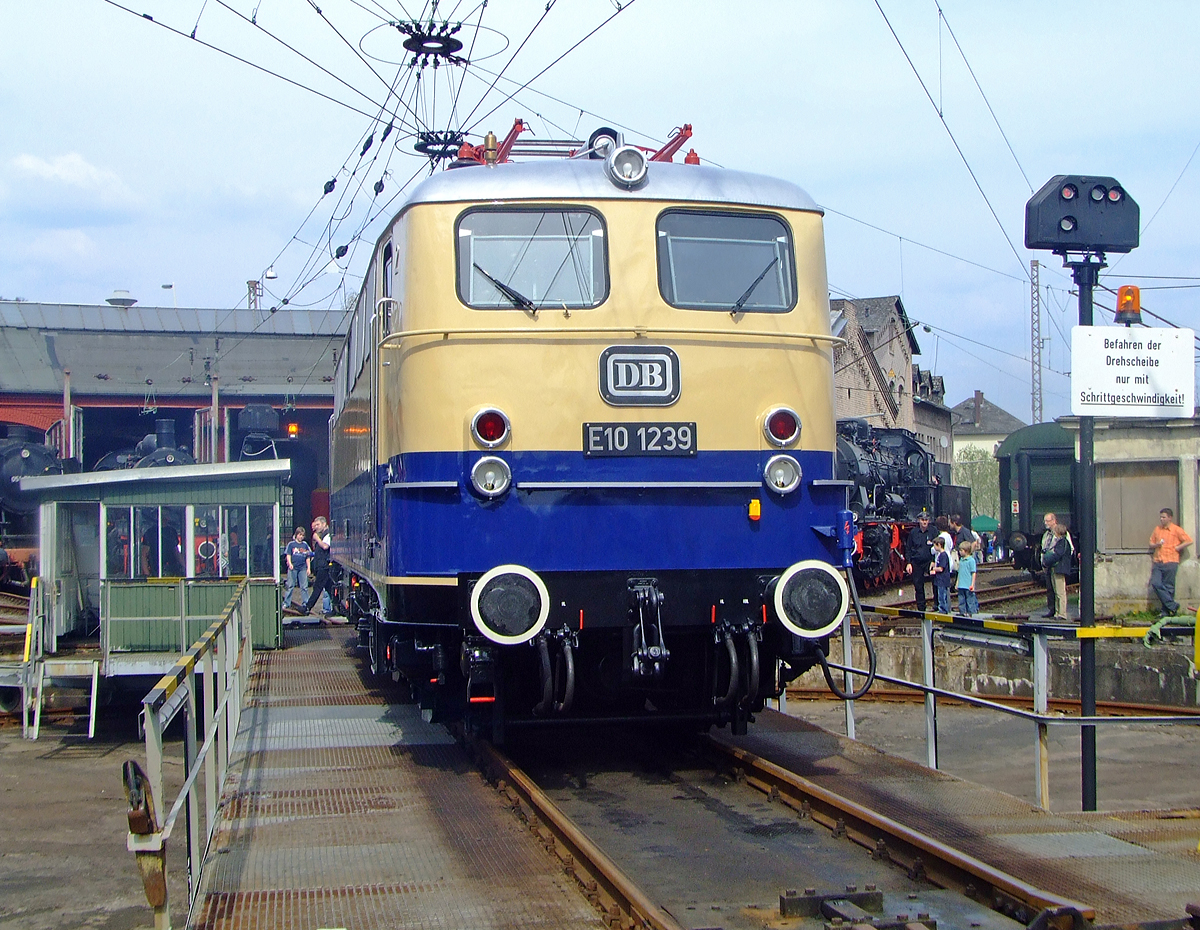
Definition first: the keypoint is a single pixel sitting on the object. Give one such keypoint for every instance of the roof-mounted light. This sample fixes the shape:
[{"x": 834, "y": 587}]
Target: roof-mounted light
[{"x": 626, "y": 166}]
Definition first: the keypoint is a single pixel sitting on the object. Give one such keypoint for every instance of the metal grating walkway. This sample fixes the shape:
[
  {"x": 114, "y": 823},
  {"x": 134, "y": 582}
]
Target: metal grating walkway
[
  {"x": 1129, "y": 867},
  {"x": 343, "y": 809}
]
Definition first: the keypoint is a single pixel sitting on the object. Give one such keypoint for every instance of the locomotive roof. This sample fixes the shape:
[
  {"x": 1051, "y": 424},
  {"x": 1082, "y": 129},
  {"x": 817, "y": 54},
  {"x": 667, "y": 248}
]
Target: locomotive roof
[{"x": 584, "y": 179}]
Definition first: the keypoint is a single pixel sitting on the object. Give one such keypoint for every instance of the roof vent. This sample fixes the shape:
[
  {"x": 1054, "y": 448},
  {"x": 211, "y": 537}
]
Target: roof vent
[{"x": 121, "y": 299}]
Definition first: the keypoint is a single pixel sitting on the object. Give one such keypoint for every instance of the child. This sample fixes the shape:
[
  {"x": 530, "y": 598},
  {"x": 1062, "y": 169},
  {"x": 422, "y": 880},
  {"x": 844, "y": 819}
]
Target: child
[
  {"x": 968, "y": 603},
  {"x": 941, "y": 575},
  {"x": 298, "y": 554}
]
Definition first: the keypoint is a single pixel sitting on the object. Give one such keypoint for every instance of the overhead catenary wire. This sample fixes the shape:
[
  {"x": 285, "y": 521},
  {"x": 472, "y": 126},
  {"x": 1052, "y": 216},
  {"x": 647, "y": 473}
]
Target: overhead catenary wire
[
  {"x": 238, "y": 58},
  {"x": 541, "y": 19},
  {"x": 979, "y": 87},
  {"x": 957, "y": 147},
  {"x": 620, "y": 10},
  {"x": 888, "y": 232}
]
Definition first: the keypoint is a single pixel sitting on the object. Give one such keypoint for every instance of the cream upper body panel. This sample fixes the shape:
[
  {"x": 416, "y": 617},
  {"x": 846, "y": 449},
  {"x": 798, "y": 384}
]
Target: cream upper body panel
[{"x": 443, "y": 360}]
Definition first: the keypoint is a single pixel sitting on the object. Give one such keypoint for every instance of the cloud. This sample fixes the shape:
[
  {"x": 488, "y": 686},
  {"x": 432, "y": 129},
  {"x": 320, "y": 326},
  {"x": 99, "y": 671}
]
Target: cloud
[
  {"x": 73, "y": 170},
  {"x": 66, "y": 192},
  {"x": 62, "y": 246}
]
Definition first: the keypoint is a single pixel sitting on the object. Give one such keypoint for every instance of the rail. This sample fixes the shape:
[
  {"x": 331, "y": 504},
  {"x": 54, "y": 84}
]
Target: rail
[
  {"x": 923, "y": 857},
  {"x": 1023, "y": 638},
  {"x": 605, "y": 885},
  {"x": 219, "y": 663}
]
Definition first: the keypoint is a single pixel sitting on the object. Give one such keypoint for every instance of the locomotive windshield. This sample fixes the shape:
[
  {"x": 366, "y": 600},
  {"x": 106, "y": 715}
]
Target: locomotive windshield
[
  {"x": 529, "y": 259},
  {"x": 736, "y": 262}
]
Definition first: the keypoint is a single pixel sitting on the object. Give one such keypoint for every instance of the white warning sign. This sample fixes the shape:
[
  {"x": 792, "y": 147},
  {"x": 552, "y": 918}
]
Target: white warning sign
[{"x": 1119, "y": 371}]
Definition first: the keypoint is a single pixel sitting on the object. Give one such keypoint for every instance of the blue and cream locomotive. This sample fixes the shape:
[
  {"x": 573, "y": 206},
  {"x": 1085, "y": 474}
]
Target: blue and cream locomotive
[{"x": 583, "y": 442}]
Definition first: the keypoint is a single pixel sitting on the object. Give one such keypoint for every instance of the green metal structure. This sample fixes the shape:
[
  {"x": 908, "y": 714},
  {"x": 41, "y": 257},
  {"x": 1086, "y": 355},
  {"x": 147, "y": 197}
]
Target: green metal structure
[{"x": 149, "y": 557}]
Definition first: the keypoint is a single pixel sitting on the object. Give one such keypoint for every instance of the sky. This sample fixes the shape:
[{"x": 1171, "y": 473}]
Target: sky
[{"x": 133, "y": 155}]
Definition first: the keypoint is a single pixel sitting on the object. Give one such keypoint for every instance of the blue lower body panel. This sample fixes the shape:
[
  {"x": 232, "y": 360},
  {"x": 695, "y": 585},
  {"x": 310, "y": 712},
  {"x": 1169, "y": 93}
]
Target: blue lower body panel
[{"x": 585, "y": 526}]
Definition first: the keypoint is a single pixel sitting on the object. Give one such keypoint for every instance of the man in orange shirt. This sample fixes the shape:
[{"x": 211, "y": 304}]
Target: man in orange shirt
[{"x": 1166, "y": 542}]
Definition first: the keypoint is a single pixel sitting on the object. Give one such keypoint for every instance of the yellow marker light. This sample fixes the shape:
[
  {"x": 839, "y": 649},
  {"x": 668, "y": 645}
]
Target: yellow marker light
[
  {"x": 755, "y": 509},
  {"x": 293, "y": 430},
  {"x": 1129, "y": 304}
]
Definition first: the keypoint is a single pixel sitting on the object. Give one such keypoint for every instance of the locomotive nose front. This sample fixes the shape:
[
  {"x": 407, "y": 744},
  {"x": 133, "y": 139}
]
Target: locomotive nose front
[{"x": 811, "y": 598}]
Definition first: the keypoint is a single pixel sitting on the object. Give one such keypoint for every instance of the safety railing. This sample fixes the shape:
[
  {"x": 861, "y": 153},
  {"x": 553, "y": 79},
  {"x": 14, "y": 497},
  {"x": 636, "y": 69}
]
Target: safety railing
[
  {"x": 217, "y": 666},
  {"x": 31, "y": 654},
  {"x": 1031, "y": 639}
]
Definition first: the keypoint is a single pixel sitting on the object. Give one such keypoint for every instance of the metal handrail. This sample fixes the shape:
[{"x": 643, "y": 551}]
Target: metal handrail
[
  {"x": 1038, "y": 636},
  {"x": 445, "y": 332},
  {"x": 222, "y": 656}
]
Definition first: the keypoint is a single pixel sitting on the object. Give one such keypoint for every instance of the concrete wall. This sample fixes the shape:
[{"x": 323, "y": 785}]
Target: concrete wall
[
  {"x": 1123, "y": 578},
  {"x": 1128, "y": 672}
]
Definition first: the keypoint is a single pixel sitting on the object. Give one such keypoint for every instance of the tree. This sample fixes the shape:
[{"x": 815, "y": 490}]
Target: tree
[{"x": 980, "y": 471}]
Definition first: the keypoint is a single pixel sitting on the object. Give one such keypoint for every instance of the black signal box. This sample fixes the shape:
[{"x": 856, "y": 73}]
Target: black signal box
[{"x": 1081, "y": 213}]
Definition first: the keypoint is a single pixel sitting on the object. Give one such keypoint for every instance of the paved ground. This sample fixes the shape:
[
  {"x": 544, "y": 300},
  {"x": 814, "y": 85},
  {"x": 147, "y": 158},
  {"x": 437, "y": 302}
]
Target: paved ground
[
  {"x": 63, "y": 862},
  {"x": 1137, "y": 767}
]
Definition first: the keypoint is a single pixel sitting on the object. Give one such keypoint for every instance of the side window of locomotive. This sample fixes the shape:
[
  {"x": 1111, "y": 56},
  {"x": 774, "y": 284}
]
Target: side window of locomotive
[
  {"x": 739, "y": 262},
  {"x": 529, "y": 259}
]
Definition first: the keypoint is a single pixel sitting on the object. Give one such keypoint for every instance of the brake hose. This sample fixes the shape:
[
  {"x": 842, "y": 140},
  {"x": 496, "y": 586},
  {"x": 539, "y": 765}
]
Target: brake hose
[{"x": 871, "y": 659}]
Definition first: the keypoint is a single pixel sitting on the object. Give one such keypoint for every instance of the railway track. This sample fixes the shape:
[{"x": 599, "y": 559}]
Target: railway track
[
  {"x": 915, "y": 861},
  {"x": 14, "y": 608}
]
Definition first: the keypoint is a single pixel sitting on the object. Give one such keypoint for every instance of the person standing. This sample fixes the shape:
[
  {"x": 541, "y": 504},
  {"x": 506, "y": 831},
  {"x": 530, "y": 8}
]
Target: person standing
[
  {"x": 1166, "y": 544},
  {"x": 968, "y": 603},
  {"x": 943, "y": 578},
  {"x": 1057, "y": 562},
  {"x": 320, "y": 562},
  {"x": 918, "y": 552},
  {"x": 297, "y": 554},
  {"x": 1049, "y": 521}
]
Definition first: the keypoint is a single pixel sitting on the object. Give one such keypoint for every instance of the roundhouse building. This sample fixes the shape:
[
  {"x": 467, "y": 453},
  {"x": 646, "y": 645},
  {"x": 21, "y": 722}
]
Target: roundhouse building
[{"x": 95, "y": 380}]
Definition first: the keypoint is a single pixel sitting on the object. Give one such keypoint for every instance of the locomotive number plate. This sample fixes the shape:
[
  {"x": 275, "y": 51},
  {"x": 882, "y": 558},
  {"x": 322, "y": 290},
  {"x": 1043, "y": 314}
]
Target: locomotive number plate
[{"x": 617, "y": 439}]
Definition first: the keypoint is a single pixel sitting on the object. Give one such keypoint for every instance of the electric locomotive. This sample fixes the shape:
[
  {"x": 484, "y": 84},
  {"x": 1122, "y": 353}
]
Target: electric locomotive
[{"x": 583, "y": 441}]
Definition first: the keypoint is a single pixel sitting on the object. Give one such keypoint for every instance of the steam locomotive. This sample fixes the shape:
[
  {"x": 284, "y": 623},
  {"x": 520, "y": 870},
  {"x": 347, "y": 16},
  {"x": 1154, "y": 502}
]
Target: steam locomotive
[{"x": 894, "y": 478}]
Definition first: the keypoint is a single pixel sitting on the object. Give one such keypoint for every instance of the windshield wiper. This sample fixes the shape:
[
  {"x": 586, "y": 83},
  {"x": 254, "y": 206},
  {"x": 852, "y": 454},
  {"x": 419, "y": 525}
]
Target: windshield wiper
[
  {"x": 518, "y": 300},
  {"x": 741, "y": 301}
]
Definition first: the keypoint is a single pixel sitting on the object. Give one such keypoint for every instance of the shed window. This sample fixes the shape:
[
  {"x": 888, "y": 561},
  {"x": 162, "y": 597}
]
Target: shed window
[
  {"x": 159, "y": 547},
  {"x": 1129, "y": 497}
]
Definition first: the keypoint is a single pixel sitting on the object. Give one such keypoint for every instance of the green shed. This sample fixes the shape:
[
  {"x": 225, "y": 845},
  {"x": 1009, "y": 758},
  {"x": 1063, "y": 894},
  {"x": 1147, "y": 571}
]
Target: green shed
[{"x": 147, "y": 558}]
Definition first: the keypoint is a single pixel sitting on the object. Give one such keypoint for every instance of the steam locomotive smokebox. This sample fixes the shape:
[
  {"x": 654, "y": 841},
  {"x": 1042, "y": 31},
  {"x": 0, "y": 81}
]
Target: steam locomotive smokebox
[
  {"x": 23, "y": 460},
  {"x": 258, "y": 418}
]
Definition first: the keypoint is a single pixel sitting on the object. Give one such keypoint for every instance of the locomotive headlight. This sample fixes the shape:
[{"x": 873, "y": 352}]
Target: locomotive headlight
[
  {"x": 626, "y": 166},
  {"x": 781, "y": 426},
  {"x": 510, "y": 604},
  {"x": 782, "y": 474},
  {"x": 491, "y": 476},
  {"x": 811, "y": 599}
]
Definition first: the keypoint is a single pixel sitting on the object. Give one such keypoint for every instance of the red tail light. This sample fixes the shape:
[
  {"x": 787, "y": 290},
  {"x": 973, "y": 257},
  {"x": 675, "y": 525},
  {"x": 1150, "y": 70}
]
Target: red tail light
[
  {"x": 490, "y": 428},
  {"x": 782, "y": 426}
]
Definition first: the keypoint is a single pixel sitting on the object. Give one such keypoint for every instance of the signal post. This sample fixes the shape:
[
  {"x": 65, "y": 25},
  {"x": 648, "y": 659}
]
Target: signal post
[{"x": 1080, "y": 218}]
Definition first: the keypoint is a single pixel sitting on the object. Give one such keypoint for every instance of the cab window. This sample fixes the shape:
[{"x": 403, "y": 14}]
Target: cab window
[
  {"x": 530, "y": 259},
  {"x": 736, "y": 262}
]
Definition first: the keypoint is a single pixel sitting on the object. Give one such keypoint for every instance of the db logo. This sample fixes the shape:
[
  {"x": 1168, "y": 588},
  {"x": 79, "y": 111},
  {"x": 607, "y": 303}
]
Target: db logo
[{"x": 639, "y": 376}]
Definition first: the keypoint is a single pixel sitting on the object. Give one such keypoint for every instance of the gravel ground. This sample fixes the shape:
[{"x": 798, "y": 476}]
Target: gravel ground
[{"x": 63, "y": 861}]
